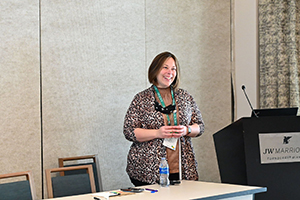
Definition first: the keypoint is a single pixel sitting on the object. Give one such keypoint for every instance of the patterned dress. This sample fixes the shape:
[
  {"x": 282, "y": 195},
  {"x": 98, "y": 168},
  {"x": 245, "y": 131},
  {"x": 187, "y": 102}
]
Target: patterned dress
[{"x": 144, "y": 157}]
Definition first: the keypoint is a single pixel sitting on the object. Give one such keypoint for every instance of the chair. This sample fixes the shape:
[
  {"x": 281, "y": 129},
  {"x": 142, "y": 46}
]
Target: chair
[
  {"x": 60, "y": 186},
  {"x": 87, "y": 159},
  {"x": 17, "y": 189}
]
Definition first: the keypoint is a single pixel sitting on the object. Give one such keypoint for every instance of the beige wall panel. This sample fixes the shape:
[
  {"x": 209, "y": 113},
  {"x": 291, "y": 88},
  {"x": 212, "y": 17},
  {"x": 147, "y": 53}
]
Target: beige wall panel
[
  {"x": 198, "y": 33},
  {"x": 93, "y": 57},
  {"x": 19, "y": 96}
]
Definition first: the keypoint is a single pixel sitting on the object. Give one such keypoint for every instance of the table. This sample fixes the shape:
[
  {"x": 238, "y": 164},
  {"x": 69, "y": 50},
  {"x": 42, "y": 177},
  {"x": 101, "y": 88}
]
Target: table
[{"x": 184, "y": 191}]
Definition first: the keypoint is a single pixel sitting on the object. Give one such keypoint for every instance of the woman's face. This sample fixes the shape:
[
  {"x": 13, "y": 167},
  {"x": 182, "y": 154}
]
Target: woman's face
[{"x": 167, "y": 73}]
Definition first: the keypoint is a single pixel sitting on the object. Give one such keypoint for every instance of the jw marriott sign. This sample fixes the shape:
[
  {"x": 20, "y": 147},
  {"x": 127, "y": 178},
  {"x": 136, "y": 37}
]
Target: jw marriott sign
[{"x": 279, "y": 147}]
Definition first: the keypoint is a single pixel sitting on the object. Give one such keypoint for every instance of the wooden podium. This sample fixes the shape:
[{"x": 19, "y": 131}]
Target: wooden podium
[{"x": 239, "y": 157}]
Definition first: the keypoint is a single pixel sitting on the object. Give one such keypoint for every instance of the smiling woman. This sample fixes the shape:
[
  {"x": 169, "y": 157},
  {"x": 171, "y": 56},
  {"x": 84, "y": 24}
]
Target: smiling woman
[
  {"x": 160, "y": 122},
  {"x": 165, "y": 66},
  {"x": 167, "y": 73}
]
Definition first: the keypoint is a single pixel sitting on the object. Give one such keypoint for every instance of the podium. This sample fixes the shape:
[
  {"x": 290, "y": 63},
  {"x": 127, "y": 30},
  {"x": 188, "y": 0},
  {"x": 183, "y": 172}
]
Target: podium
[{"x": 239, "y": 156}]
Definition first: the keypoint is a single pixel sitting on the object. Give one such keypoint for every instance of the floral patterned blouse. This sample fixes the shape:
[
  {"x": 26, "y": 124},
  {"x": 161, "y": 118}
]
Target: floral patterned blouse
[{"x": 144, "y": 157}]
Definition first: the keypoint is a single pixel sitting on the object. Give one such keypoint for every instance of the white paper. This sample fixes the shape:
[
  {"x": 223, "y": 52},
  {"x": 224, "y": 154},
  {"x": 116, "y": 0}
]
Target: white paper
[{"x": 170, "y": 143}]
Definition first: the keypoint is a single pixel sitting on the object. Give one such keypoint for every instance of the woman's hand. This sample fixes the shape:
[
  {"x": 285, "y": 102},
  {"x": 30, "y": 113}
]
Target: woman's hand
[
  {"x": 143, "y": 135},
  {"x": 171, "y": 131}
]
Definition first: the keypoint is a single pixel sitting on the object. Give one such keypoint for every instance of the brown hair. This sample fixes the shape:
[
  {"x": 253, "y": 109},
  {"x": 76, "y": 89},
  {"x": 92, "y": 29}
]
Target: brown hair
[{"x": 156, "y": 66}]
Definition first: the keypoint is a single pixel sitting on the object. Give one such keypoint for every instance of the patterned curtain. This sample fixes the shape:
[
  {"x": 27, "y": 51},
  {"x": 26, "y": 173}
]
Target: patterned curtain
[{"x": 279, "y": 53}]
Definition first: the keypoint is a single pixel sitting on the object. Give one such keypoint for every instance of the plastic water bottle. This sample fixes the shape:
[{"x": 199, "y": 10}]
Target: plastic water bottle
[{"x": 164, "y": 173}]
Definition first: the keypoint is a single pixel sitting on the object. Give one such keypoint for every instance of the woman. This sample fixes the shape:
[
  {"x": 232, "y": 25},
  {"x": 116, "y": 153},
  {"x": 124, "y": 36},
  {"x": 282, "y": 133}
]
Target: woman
[{"x": 160, "y": 122}]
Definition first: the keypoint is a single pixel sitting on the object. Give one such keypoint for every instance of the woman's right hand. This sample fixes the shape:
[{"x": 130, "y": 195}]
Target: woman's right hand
[
  {"x": 143, "y": 135},
  {"x": 165, "y": 132}
]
